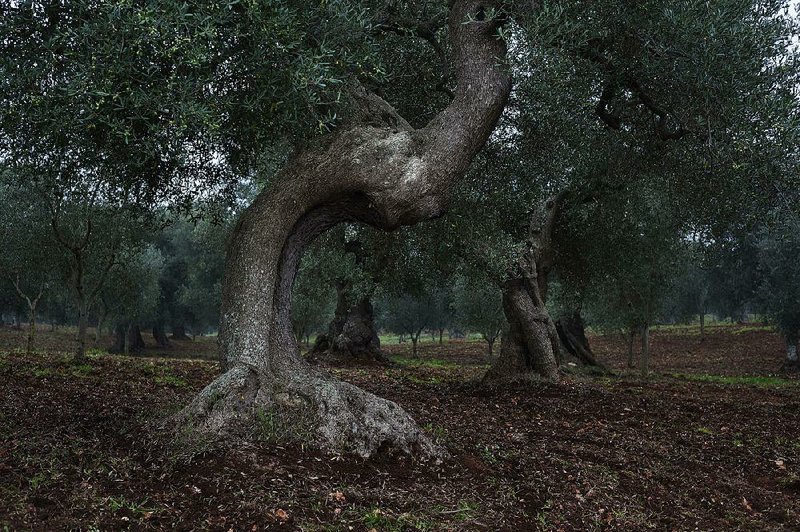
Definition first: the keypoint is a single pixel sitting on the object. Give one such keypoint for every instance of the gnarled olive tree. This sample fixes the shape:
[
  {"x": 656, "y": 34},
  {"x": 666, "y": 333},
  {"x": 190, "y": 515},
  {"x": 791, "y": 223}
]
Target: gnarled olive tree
[{"x": 377, "y": 170}]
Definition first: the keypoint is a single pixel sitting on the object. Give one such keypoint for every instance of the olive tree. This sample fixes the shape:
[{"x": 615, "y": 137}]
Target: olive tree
[
  {"x": 30, "y": 259},
  {"x": 479, "y": 308},
  {"x": 199, "y": 93},
  {"x": 778, "y": 293}
]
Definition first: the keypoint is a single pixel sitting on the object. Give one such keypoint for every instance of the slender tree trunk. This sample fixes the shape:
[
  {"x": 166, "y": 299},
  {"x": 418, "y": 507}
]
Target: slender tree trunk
[
  {"x": 702, "y": 326},
  {"x": 441, "y": 334},
  {"x": 644, "y": 361},
  {"x": 377, "y": 170},
  {"x": 414, "y": 340},
  {"x": 31, "y": 327},
  {"x": 98, "y": 332},
  {"x": 630, "y": 338},
  {"x": 529, "y": 349},
  {"x": 127, "y": 341},
  {"x": 490, "y": 341},
  {"x": 83, "y": 325},
  {"x": 32, "y": 303}
]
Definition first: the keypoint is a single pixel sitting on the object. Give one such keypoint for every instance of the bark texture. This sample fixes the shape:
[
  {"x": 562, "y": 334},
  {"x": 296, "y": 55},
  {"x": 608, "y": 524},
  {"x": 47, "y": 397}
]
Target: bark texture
[
  {"x": 351, "y": 335},
  {"x": 529, "y": 349},
  {"x": 378, "y": 171}
]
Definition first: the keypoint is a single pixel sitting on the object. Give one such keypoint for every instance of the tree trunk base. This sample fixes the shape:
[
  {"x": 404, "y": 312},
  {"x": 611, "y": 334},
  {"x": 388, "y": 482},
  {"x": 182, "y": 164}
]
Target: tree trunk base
[
  {"x": 324, "y": 352},
  {"x": 311, "y": 407},
  {"x": 529, "y": 348}
]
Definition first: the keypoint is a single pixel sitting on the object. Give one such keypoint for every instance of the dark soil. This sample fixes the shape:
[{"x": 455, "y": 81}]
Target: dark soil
[{"x": 78, "y": 448}]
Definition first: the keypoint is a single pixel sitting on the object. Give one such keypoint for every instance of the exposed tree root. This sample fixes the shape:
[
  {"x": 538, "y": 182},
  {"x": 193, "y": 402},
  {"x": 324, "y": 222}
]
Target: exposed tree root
[{"x": 244, "y": 403}]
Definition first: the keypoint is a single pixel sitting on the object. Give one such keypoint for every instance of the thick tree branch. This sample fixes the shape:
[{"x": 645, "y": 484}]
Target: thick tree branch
[{"x": 595, "y": 51}]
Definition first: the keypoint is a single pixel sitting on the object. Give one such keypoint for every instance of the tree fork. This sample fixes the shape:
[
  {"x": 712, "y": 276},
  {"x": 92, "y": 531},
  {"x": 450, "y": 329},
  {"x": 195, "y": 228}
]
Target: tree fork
[{"x": 377, "y": 171}]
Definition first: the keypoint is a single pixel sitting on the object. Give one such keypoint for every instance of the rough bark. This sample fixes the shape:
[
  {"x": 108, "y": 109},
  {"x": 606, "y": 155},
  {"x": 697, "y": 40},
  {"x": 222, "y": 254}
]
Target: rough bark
[
  {"x": 378, "y": 171},
  {"x": 351, "y": 336},
  {"x": 529, "y": 348},
  {"x": 572, "y": 334}
]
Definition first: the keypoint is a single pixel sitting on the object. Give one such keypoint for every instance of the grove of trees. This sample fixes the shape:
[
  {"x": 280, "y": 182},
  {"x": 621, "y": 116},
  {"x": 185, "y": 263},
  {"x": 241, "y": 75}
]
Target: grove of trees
[{"x": 308, "y": 176}]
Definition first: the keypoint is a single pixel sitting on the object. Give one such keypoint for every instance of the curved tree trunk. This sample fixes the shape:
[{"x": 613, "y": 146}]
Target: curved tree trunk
[
  {"x": 530, "y": 347},
  {"x": 572, "y": 333},
  {"x": 351, "y": 335},
  {"x": 380, "y": 172}
]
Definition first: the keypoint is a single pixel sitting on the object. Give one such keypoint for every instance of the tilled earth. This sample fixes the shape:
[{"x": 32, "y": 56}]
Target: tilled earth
[{"x": 78, "y": 450}]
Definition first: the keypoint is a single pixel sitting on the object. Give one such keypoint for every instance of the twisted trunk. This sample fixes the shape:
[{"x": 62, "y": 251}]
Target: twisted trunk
[
  {"x": 351, "y": 335},
  {"x": 382, "y": 173},
  {"x": 529, "y": 349}
]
